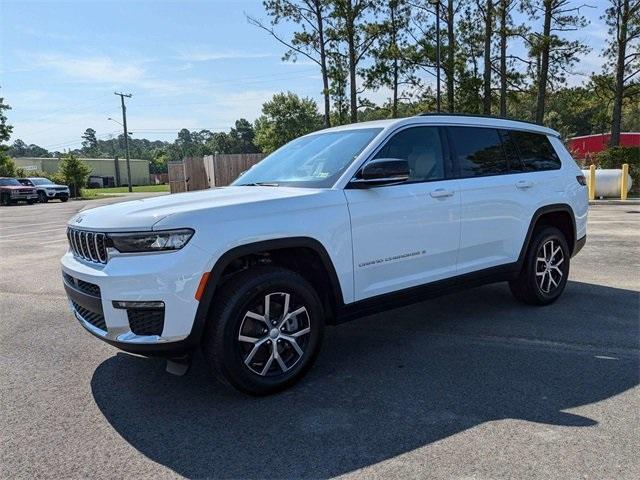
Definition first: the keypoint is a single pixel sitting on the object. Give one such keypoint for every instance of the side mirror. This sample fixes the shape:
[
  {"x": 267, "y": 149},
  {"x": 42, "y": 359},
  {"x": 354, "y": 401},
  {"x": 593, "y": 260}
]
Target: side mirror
[{"x": 382, "y": 171}]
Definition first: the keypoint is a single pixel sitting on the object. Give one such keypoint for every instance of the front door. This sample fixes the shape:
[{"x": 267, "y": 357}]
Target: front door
[{"x": 407, "y": 234}]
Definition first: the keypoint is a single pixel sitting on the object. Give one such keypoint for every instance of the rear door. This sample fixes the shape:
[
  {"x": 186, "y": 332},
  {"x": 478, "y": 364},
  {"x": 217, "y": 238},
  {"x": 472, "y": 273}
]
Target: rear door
[
  {"x": 407, "y": 234},
  {"x": 495, "y": 202}
]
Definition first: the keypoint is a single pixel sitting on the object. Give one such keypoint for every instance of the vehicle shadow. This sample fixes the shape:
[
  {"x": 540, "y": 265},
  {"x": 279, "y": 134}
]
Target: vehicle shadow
[{"x": 385, "y": 385}]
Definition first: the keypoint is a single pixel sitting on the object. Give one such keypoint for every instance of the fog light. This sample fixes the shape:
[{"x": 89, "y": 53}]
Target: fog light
[{"x": 136, "y": 304}]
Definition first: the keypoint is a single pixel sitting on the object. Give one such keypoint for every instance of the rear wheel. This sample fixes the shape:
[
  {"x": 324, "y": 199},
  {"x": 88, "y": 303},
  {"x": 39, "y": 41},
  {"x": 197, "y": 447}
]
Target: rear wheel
[
  {"x": 545, "y": 270},
  {"x": 265, "y": 331}
]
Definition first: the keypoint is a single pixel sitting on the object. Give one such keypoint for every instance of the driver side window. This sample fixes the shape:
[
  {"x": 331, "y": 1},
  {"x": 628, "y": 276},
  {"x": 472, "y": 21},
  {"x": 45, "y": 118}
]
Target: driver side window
[{"x": 422, "y": 148}]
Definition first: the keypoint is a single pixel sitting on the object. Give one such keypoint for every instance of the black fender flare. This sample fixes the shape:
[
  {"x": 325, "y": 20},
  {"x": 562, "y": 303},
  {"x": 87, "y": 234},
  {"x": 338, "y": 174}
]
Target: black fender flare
[
  {"x": 555, "y": 207},
  {"x": 226, "y": 258}
]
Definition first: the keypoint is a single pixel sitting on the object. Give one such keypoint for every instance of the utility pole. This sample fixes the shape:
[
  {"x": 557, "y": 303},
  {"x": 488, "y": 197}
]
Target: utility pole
[{"x": 126, "y": 135}]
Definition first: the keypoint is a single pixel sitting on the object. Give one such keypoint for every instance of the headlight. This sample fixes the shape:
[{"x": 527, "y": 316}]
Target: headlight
[{"x": 150, "y": 241}]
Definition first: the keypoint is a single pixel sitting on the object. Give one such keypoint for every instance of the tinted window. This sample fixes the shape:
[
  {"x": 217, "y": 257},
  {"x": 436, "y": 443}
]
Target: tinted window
[
  {"x": 510, "y": 150},
  {"x": 421, "y": 147},
  {"x": 41, "y": 181},
  {"x": 9, "y": 182},
  {"x": 536, "y": 151},
  {"x": 479, "y": 151}
]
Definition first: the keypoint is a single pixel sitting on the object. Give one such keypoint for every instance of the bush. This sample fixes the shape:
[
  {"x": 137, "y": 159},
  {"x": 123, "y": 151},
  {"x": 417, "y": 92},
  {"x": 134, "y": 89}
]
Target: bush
[
  {"x": 614, "y": 158},
  {"x": 7, "y": 165},
  {"x": 75, "y": 173}
]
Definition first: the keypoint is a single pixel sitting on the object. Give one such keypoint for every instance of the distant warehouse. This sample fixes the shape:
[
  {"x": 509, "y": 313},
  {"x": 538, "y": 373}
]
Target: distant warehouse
[{"x": 104, "y": 171}]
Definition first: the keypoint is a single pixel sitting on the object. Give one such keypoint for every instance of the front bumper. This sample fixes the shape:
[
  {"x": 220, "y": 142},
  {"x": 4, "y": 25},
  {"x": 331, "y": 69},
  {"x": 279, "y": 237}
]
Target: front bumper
[
  {"x": 24, "y": 196},
  {"x": 63, "y": 194},
  {"x": 171, "y": 278}
]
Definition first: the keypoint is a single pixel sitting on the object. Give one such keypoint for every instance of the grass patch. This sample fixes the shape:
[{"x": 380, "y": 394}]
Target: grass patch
[{"x": 93, "y": 192}]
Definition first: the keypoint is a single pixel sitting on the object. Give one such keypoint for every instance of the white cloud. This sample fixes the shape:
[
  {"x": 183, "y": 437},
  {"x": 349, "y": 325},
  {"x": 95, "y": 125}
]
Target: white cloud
[
  {"x": 96, "y": 69},
  {"x": 200, "y": 54}
]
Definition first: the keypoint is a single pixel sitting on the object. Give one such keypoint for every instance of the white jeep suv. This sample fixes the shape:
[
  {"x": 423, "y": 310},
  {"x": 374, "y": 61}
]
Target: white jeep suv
[{"x": 337, "y": 224}]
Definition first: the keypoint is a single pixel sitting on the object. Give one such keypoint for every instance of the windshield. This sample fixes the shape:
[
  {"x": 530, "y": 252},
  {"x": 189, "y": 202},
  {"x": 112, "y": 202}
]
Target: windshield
[
  {"x": 41, "y": 181},
  {"x": 315, "y": 161},
  {"x": 7, "y": 182}
]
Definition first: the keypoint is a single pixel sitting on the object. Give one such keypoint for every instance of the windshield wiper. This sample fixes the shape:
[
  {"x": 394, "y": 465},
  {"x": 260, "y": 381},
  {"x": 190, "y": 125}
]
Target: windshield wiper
[{"x": 259, "y": 184}]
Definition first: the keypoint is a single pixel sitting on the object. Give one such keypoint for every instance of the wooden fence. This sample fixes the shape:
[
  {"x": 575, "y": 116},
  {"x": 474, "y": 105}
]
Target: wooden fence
[{"x": 197, "y": 173}]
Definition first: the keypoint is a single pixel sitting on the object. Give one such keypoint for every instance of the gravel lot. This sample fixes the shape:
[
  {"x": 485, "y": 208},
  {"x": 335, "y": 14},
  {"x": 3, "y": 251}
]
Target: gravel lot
[{"x": 472, "y": 385}]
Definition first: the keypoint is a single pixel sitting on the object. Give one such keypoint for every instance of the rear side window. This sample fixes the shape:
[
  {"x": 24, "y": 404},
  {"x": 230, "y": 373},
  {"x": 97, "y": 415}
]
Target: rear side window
[
  {"x": 536, "y": 152},
  {"x": 478, "y": 151}
]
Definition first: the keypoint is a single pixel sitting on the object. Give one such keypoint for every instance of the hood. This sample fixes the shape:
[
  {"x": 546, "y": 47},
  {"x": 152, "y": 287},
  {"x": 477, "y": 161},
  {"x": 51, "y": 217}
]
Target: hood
[
  {"x": 53, "y": 185},
  {"x": 145, "y": 213},
  {"x": 16, "y": 187}
]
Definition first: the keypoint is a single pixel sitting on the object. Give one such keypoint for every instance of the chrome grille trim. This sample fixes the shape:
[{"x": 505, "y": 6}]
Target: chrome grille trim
[{"x": 90, "y": 246}]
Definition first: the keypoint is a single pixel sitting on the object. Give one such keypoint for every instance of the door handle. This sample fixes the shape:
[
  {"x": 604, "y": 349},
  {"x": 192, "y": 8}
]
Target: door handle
[
  {"x": 524, "y": 184},
  {"x": 441, "y": 193}
]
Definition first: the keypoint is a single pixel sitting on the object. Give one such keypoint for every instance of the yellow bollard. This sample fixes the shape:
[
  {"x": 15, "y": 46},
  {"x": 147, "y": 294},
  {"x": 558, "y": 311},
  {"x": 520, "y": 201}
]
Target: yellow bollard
[
  {"x": 592, "y": 182},
  {"x": 624, "y": 182}
]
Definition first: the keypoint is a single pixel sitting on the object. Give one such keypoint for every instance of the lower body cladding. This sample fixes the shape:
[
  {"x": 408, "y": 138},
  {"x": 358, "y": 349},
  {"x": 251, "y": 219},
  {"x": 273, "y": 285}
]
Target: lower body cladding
[{"x": 139, "y": 303}]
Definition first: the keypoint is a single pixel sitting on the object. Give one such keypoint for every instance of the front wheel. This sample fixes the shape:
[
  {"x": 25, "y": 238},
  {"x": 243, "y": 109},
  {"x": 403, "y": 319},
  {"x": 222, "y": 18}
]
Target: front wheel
[
  {"x": 5, "y": 199},
  {"x": 265, "y": 331},
  {"x": 42, "y": 197},
  {"x": 545, "y": 270}
]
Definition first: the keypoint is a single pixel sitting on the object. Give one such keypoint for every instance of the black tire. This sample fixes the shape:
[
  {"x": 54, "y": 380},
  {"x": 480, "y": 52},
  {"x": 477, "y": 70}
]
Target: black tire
[
  {"x": 539, "y": 282},
  {"x": 64, "y": 199},
  {"x": 42, "y": 197},
  {"x": 227, "y": 354},
  {"x": 30, "y": 202},
  {"x": 5, "y": 199}
]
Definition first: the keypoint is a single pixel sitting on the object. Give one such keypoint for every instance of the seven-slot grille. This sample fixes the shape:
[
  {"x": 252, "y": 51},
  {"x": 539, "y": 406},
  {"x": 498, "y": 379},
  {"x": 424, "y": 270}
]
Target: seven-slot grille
[{"x": 88, "y": 245}]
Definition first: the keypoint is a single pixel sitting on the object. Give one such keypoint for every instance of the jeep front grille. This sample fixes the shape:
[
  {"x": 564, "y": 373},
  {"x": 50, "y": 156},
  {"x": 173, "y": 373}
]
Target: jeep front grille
[{"x": 91, "y": 246}]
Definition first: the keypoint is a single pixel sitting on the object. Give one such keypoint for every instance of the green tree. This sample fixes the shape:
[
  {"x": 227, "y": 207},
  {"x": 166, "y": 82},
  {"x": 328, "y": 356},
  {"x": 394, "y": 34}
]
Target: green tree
[
  {"x": 310, "y": 41},
  {"x": 553, "y": 55},
  {"x": 7, "y": 166},
  {"x": 285, "y": 117},
  {"x": 392, "y": 66},
  {"x": 623, "y": 54},
  {"x": 75, "y": 172},
  {"x": 89, "y": 142},
  {"x": 351, "y": 27}
]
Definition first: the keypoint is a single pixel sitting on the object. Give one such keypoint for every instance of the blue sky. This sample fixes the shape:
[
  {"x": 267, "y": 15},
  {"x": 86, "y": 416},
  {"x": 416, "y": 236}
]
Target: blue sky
[{"x": 189, "y": 64}]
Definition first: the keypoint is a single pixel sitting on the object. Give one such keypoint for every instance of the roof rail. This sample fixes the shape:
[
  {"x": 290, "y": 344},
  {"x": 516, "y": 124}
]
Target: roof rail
[{"x": 476, "y": 115}]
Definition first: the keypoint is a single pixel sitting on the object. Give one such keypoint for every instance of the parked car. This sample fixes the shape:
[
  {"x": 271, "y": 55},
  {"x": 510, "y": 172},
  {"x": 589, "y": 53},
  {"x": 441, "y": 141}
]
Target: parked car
[
  {"x": 340, "y": 223},
  {"x": 47, "y": 190},
  {"x": 12, "y": 191}
]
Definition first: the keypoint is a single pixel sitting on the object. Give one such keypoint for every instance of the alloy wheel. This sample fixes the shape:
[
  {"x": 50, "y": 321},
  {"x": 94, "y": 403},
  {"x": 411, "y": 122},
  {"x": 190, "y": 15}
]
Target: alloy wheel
[
  {"x": 548, "y": 261},
  {"x": 274, "y": 334}
]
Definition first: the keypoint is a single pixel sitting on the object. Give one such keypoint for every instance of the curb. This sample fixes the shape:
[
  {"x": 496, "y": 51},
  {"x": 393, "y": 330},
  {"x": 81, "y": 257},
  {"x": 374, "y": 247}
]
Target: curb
[{"x": 632, "y": 201}]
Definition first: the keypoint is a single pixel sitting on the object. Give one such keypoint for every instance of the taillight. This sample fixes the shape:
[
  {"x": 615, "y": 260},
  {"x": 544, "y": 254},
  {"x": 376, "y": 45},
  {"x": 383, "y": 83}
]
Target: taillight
[{"x": 581, "y": 180}]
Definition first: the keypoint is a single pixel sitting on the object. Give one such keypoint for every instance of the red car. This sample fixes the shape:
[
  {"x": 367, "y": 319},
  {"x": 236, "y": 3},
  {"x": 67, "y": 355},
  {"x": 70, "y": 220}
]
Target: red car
[{"x": 12, "y": 191}]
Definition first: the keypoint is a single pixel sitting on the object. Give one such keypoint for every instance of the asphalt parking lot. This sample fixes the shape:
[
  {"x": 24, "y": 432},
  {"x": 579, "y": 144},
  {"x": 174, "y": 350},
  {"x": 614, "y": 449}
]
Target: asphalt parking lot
[{"x": 471, "y": 385}]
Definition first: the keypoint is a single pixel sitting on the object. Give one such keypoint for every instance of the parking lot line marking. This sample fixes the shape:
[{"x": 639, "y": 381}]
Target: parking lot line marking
[
  {"x": 34, "y": 225},
  {"x": 30, "y": 233}
]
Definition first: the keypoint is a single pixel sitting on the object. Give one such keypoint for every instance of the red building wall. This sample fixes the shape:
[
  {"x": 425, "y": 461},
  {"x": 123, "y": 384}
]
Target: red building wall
[{"x": 580, "y": 146}]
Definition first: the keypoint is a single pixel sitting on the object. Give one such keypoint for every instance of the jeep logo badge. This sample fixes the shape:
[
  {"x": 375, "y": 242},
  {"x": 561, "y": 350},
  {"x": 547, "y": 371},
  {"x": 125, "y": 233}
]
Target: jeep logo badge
[{"x": 79, "y": 219}]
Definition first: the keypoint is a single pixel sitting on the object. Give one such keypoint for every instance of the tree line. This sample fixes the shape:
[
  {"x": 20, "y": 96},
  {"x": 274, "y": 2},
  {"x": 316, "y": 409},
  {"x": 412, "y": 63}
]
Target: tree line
[
  {"x": 489, "y": 62},
  {"x": 363, "y": 45}
]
